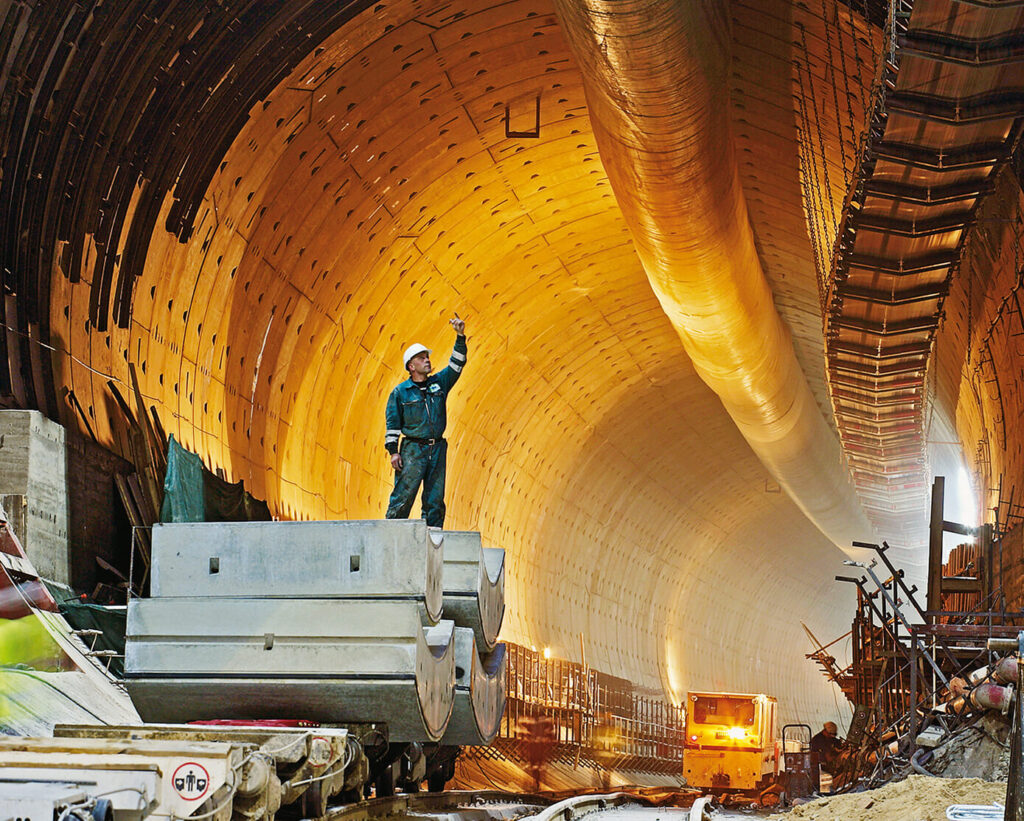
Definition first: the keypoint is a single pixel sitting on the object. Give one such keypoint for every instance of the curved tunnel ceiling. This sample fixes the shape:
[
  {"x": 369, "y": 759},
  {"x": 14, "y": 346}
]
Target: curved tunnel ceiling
[
  {"x": 653, "y": 76},
  {"x": 373, "y": 191}
]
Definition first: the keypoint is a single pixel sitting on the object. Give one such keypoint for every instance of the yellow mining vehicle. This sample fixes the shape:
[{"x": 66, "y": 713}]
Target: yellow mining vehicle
[{"x": 731, "y": 743}]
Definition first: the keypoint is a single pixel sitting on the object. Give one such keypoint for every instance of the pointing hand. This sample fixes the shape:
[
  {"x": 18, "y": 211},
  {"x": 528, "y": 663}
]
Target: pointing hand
[{"x": 458, "y": 324}]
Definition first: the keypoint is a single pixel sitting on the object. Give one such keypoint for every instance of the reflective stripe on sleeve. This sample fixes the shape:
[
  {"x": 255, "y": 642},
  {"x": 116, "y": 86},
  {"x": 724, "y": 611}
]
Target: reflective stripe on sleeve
[
  {"x": 455, "y": 367},
  {"x": 458, "y": 357}
]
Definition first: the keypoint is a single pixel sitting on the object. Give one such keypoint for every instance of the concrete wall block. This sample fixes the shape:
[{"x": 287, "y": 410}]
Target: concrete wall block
[{"x": 33, "y": 463}]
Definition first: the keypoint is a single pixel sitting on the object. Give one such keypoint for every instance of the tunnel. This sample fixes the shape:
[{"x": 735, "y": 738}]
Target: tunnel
[{"x": 634, "y": 207}]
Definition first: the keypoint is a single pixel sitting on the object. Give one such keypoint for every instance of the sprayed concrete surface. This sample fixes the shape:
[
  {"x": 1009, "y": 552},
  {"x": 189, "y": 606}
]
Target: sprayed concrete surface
[{"x": 918, "y": 798}]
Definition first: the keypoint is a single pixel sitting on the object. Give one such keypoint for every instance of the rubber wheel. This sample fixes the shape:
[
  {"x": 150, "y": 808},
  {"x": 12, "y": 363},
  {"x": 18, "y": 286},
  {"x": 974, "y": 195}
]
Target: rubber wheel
[
  {"x": 384, "y": 786},
  {"x": 314, "y": 800},
  {"x": 103, "y": 811}
]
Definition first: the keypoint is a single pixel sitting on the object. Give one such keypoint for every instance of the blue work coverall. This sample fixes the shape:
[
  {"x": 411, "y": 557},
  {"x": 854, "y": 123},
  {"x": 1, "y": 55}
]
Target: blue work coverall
[{"x": 417, "y": 412}]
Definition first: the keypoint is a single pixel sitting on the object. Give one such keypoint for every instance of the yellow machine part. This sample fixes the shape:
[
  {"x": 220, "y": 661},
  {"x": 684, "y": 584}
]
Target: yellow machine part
[{"x": 727, "y": 769}]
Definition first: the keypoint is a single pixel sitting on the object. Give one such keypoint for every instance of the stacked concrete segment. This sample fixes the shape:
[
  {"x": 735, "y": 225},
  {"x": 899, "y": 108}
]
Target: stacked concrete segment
[
  {"x": 368, "y": 559},
  {"x": 327, "y": 621},
  {"x": 474, "y": 586},
  {"x": 474, "y": 598},
  {"x": 479, "y": 692},
  {"x": 328, "y": 661}
]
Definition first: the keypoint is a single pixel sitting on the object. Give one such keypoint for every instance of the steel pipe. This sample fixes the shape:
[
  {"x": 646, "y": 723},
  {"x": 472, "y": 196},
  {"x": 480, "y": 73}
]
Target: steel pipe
[
  {"x": 655, "y": 76},
  {"x": 991, "y": 697}
]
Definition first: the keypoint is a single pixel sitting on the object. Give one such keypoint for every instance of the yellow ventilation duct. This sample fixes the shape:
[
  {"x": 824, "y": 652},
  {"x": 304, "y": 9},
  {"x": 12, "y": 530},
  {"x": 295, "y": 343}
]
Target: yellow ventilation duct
[{"x": 655, "y": 76}]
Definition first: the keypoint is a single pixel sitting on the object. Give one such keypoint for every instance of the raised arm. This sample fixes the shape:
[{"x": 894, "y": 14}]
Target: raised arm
[{"x": 450, "y": 375}]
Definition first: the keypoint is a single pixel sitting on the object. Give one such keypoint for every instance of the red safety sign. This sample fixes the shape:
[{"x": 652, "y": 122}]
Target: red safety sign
[{"x": 191, "y": 781}]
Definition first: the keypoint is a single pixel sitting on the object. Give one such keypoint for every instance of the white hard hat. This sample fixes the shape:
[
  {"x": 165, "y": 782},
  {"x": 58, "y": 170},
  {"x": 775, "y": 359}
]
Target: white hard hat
[{"x": 412, "y": 351}]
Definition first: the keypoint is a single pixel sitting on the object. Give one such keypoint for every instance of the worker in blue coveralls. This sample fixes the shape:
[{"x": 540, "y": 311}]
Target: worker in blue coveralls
[{"x": 416, "y": 413}]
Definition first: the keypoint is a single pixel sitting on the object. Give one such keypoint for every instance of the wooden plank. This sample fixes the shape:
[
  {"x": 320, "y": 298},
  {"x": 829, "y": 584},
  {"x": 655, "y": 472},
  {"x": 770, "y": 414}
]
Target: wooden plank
[
  {"x": 81, "y": 413},
  {"x": 143, "y": 503},
  {"x": 960, "y": 584},
  {"x": 152, "y": 445},
  {"x": 161, "y": 437},
  {"x": 121, "y": 403}
]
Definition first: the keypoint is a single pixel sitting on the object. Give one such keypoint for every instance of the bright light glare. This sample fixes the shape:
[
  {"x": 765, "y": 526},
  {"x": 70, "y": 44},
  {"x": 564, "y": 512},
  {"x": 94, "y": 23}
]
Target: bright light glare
[
  {"x": 965, "y": 497},
  {"x": 547, "y": 652},
  {"x": 736, "y": 732}
]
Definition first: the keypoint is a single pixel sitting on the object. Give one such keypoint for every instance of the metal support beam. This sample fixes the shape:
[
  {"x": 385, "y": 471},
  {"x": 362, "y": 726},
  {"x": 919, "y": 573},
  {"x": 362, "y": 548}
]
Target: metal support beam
[
  {"x": 1015, "y": 779},
  {"x": 870, "y": 471},
  {"x": 906, "y": 326},
  {"x": 929, "y": 194},
  {"x": 876, "y": 388},
  {"x": 883, "y": 620},
  {"x": 933, "y": 45},
  {"x": 960, "y": 158},
  {"x": 905, "y": 266},
  {"x": 875, "y": 401},
  {"x": 908, "y": 296},
  {"x": 898, "y": 449},
  {"x": 897, "y": 352},
  {"x": 898, "y": 613},
  {"x": 876, "y": 431},
  {"x": 874, "y": 369},
  {"x": 880, "y": 417},
  {"x": 998, "y": 105},
  {"x": 992, "y": 4},
  {"x": 873, "y": 443},
  {"x": 956, "y": 527},
  {"x": 958, "y": 221},
  {"x": 935, "y": 545}
]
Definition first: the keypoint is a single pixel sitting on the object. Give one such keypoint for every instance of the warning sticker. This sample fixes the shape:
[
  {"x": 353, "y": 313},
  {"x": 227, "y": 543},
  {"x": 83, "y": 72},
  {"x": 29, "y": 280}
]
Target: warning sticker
[{"x": 191, "y": 781}]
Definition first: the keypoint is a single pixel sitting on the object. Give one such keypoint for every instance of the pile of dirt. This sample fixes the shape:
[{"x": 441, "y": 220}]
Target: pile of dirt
[{"x": 917, "y": 798}]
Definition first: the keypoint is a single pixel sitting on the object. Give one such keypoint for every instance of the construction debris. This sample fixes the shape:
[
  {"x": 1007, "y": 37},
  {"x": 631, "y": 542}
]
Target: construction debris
[
  {"x": 932, "y": 689},
  {"x": 981, "y": 750},
  {"x": 917, "y": 798}
]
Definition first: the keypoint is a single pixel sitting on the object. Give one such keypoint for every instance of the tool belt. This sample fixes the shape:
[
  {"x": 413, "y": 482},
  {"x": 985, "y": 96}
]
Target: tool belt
[{"x": 422, "y": 441}]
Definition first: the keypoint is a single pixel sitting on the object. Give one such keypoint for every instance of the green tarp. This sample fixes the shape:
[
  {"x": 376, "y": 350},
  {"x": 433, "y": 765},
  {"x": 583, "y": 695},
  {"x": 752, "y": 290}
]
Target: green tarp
[
  {"x": 194, "y": 494},
  {"x": 111, "y": 620}
]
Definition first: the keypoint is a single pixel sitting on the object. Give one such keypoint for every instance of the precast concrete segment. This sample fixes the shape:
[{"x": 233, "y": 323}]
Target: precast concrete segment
[
  {"x": 479, "y": 692},
  {"x": 351, "y": 559},
  {"x": 655, "y": 76},
  {"x": 188, "y": 659},
  {"x": 474, "y": 585}
]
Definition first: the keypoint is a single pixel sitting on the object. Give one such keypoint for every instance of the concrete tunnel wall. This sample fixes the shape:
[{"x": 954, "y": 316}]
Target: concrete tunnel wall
[{"x": 372, "y": 192}]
